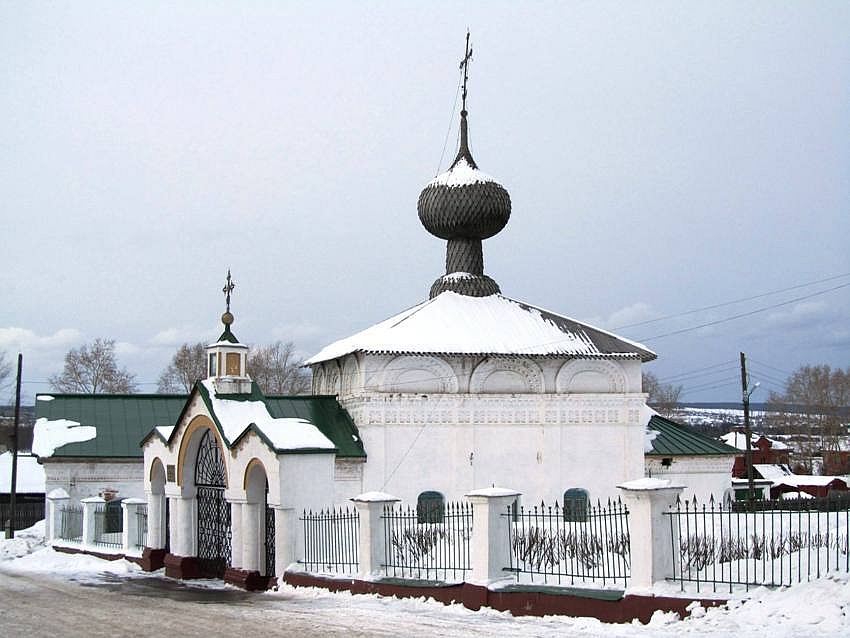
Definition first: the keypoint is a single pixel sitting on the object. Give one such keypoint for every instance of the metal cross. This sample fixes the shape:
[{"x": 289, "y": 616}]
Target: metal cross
[
  {"x": 464, "y": 64},
  {"x": 228, "y": 288}
]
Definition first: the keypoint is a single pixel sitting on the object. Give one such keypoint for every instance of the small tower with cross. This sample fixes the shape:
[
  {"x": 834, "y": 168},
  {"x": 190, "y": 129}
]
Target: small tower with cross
[{"x": 227, "y": 358}]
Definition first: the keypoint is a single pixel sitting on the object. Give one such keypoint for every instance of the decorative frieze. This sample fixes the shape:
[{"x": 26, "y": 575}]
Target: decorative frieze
[{"x": 465, "y": 409}]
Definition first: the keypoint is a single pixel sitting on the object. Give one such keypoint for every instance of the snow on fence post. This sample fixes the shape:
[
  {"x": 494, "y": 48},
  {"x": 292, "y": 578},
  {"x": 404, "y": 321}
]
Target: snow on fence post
[
  {"x": 57, "y": 499},
  {"x": 373, "y": 543},
  {"x": 130, "y": 527},
  {"x": 490, "y": 545},
  {"x": 90, "y": 504},
  {"x": 651, "y": 538}
]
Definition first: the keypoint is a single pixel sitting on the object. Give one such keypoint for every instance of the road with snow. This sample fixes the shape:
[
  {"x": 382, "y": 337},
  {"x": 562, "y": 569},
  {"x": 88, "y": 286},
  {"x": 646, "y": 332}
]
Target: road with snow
[{"x": 46, "y": 593}]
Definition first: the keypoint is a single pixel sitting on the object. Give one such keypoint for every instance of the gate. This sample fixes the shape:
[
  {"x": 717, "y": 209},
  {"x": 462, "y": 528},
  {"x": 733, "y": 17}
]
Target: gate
[
  {"x": 269, "y": 535},
  {"x": 213, "y": 510},
  {"x": 269, "y": 541}
]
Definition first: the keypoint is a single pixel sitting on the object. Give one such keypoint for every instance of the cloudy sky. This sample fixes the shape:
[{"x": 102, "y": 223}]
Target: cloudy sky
[{"x": 662, "y": 158}]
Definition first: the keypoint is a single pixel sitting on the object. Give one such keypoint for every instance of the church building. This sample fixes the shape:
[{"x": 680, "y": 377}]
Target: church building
[{"x": 467, "y": 389}]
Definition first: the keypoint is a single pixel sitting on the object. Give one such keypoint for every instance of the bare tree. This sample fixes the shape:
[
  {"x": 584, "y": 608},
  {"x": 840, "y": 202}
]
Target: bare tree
[
  {"x": 93, "y": 369},
  {"x": 662, "y": 396},
  {"x": 187, "y": 366},
  {"x": 5, "y": 370},
  {"x": 811, "y": 407},
  {"x": 277, "y": 369}
]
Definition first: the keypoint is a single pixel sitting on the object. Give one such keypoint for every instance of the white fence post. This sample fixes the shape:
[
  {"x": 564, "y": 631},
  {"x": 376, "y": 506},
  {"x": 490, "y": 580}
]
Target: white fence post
[
  {"x": 130, "y": 528},
  {"x": 651, "y": 539},
  {"x": 372, "y": 547},
  {"x": 89, "y": 506},
  {"x": 490, "y": 545},
  {"x": 57, "y": 499}
]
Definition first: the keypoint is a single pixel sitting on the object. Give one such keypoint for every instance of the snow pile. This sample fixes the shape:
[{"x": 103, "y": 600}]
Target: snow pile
[
  {"x": 48, "y": 436},
  {"x": 461, "y": 174},
  {"x": 30, "y": 474},
  {"x": 457, "y": 324},
  {"x": 284, "y": 434},
  {"x": 26, "y": 542}
]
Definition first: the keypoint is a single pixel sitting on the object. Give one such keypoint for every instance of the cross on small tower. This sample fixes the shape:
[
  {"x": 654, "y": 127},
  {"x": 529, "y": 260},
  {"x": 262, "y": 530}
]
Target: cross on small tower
[
  {"x": 464, "y": 64},
  {"x": 228, "y": 288}
]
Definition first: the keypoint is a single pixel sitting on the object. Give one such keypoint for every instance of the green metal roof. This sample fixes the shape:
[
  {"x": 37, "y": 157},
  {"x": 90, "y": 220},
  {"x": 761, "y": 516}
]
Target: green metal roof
[
  {"x": 122, "y": 420},
  {"x": 675, "y": 439},
  {"x": 325, "y": 413}
]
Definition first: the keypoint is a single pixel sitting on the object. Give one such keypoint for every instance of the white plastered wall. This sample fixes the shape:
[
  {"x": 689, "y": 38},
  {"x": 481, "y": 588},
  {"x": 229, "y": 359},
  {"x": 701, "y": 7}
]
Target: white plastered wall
[{"x": 702, "y": 476}]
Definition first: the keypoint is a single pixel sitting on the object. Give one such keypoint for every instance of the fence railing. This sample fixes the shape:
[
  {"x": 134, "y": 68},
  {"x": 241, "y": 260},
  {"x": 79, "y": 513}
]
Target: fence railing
[
  {"x": 108, "y": 525},
  {"x": 141, "y": 526},
  {"x": 772, "y": 543},
  {"x": 572, "y": 545},
  {"x": 429, "y": 543},
  {"x": 26, "y": 514},
  {"x": 71, "y": 523},
  {"x": 331, "y": 540}
]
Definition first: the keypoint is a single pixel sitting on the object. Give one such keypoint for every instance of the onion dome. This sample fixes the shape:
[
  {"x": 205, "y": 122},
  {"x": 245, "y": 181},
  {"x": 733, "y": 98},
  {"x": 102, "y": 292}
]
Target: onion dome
[{"x": 464, "y": 206}]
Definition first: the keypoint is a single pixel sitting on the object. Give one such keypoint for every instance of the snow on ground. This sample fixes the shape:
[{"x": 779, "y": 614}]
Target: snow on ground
[
  {"x": 26, "y": 542},
  {"x": 817, "y": 608}
]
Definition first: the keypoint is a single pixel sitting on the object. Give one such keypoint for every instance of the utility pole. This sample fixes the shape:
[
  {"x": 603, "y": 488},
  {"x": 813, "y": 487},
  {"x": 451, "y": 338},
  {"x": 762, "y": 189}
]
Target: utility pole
[
  {"x": 10, "y": 531},
  {"x": 745, "y": 395}
]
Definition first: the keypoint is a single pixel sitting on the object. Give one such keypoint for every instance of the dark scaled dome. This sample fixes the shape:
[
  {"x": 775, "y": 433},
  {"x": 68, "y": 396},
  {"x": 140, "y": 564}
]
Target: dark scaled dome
[
  {"x": 464, "y": 206},
  {"x": 464, "y": 202}
]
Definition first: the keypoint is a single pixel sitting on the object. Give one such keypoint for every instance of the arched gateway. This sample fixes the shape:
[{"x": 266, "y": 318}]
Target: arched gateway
[
  {"x": 213, "y": 529},
  {"x": 238, "y": 467}
]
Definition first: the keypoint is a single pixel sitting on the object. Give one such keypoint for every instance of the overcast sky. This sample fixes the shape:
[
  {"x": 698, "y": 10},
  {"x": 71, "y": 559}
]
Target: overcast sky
[{"x": 661, "y": 157}]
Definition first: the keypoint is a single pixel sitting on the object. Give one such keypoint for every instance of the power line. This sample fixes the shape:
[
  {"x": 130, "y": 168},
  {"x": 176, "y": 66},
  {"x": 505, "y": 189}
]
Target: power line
[
  {"x": 744, "y": 314},
  {"x": 729, "y": 303}
]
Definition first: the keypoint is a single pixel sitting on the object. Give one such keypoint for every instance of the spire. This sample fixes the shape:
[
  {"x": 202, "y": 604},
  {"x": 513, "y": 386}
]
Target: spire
[{"x": 227, "y": 317}]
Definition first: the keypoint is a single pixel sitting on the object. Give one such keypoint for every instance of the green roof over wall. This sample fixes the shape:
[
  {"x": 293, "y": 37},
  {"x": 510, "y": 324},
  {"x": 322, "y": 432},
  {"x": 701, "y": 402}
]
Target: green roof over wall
[
  {"x": 675, "y": 439},
  {"x": 325, "y": 413},
  {"x": 122, "y": 420}
]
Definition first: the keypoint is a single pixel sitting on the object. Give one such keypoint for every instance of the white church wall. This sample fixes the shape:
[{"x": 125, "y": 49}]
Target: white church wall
[
  {"x": 702, "y": 476},
  {"x": 539, "y": 444},
  {"x": 82, "y": 479}
]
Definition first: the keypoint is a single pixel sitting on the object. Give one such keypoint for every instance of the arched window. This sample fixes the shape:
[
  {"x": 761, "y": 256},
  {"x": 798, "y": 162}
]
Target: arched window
[
  {"x": 430, "y": 507},
  {"x": 575, "y": 505}
]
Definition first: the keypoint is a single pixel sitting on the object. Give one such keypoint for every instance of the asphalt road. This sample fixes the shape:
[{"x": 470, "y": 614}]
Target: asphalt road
[{"x": 35, "y": 605}]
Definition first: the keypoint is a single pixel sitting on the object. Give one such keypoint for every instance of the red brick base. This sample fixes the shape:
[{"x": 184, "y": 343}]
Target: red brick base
[
  {"x": 183, "y": 567},
  {"x": 251, "y": 581},
  {"x": 152, "y": 559},
  {"x": 519, "y": 603}
]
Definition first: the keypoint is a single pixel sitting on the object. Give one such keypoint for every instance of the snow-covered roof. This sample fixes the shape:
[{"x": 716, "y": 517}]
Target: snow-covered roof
[
  {"x": 494, "y": 325},
  {"x": 50, "y": 435},
  {"x": 739, "y": 440},
  {"x": 236, "y": 416},
  {"x": 782, "y": 475},
  {"x": 30, "y": 474}
]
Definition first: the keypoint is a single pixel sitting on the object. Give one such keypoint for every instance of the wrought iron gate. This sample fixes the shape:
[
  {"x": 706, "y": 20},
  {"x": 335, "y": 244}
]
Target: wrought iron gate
[
  {"x": 213, "y": 510},
  {"x": 269, "y": 540}
]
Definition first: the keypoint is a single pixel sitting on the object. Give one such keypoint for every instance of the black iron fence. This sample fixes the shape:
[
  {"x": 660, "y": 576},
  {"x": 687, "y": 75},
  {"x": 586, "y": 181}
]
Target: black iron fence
[
  {"x": 430, "y": 543},
  {"x": 141, "y": 525},
  {"x": 572, "y": 545},
  {"x": 71, "y": 523},
  {"x": 331, "y": 540},
  {"x": 27, "y": 514},
  {"x": 771, "y": 543},
  {"x": 108, "y": 525}
]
